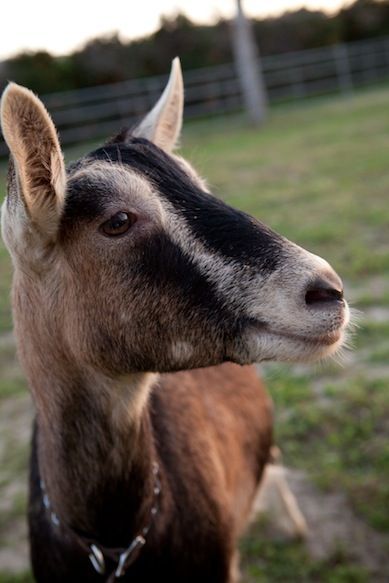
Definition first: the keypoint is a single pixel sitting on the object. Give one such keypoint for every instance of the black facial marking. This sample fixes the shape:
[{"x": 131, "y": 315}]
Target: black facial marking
[
  {"x": 169, "y": 286},
  {"x": 230, "y": 232},
  {"x": 166, "y": 266},
  {"x": 85, "y": 200}
]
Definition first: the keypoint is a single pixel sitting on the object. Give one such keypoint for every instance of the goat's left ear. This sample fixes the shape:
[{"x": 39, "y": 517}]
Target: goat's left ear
[
  {"x": 162, "y": 125},
  {"x": 33, "y": 142}
]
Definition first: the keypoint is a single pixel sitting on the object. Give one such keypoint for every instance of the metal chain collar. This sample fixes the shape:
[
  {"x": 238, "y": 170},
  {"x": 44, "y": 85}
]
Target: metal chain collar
[{"x": 97, "y": 553}]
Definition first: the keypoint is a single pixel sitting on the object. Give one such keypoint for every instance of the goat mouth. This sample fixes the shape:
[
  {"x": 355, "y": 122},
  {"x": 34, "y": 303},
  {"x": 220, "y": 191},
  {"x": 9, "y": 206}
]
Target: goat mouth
[
  {"x": 263, "y": 343},
  {"x": 325, "y": 339}
]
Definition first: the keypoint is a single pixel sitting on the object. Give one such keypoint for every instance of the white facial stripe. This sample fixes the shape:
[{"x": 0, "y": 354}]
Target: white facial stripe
[
  {"x": 278, "y": 299},
  {"x": 231, "y": 280},
  {"x": 218, "y": 270},
  {"x": 131, "y": 188},
  {"x": 221, "y": 273}
]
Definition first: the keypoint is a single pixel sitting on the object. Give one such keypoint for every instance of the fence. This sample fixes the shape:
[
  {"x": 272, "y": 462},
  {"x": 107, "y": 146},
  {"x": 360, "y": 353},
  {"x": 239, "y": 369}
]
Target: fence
[{"x": 98, "y": 112}]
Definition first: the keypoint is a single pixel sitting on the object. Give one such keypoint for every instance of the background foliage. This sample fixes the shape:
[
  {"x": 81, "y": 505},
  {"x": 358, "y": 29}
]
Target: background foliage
[{"x": 110, "y": 59}]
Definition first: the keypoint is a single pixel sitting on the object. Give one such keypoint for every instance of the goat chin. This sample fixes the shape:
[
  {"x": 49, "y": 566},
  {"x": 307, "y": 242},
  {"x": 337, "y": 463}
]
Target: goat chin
[{"x": 265, "y": 346}]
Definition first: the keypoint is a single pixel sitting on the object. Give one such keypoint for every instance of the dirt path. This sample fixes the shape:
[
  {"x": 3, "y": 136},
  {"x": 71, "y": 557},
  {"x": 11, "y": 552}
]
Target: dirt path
[
  {"x": 15, "y": 427},
  {"x": 332, "y": 525}
]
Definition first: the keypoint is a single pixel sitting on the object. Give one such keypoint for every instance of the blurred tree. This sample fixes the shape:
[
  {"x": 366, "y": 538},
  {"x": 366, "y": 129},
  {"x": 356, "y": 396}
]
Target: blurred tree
[
  {"x": 40, "y": 71},
  {"x": 294, "y": 31},
  {"x": 198, "y": 46},
  {"x": 364, "y": 19},
  {"x": 109, "y": 59},
  {"x": 102, "y": 60}
]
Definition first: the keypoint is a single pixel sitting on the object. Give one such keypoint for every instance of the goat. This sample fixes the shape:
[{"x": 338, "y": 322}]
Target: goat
[{"x": 140, "y": 304}]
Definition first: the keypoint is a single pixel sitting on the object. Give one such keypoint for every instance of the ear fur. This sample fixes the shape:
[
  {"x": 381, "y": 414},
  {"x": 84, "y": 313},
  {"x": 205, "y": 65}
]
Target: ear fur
[
  {"x": 162, "y": 125},
  {"x": 33, "y": 142}
]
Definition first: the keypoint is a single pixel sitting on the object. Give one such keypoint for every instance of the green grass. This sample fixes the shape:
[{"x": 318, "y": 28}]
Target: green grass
[
  {"x": 340, "y": 440},
  {"x": 319, "y": 174},
  {"x": 270, "y": 562},
  {"x": 12, "y": 381},
  {"x": 25, "y": 577},
  {"x": 368, "y": 300},
  {"x": 5, "y": 280}
]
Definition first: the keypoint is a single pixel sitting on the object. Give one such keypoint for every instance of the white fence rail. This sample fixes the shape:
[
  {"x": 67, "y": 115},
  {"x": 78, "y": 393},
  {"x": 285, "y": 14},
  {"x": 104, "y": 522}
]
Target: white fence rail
[{"x": 98, "y": 112}]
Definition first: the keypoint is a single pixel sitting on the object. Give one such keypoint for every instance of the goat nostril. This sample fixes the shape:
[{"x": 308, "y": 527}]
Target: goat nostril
[{"x": 319, "y": 292}]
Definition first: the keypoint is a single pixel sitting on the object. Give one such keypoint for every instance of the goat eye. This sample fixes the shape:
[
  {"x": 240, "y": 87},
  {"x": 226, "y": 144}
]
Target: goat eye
[{"x": 118, "y": 224}]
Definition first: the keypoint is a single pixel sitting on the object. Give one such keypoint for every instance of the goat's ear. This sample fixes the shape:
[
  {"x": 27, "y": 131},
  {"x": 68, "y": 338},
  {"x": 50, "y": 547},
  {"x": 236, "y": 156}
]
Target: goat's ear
[
  {"x": 34, "y": 146},
  {"x": 162, "y": 125}
]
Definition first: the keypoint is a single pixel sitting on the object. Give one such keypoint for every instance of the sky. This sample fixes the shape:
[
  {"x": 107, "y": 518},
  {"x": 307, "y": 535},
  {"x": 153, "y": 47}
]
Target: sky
[{"x": 60, "y": 27}]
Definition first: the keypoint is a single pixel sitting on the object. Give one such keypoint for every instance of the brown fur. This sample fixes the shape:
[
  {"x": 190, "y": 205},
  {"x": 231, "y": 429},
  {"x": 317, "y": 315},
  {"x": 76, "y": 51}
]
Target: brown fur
[
  {"x": 226, "y": 404},
  {"x": 98, "y": 317},
  {"x": 228, "y": 410}
]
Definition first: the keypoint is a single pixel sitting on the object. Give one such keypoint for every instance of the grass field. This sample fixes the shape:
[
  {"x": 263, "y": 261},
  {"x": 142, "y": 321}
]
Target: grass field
[{"x": 319, "y": 174}]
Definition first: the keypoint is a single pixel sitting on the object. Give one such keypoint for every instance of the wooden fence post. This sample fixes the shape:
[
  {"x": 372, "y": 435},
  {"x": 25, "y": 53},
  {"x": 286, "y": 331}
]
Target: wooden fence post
[
  {"x": 343, "y": 70},
  {"x": 249, "y": 68}
]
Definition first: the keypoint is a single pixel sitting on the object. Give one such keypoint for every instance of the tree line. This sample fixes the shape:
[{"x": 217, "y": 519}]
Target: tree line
[{"x": 110, "y": 59}]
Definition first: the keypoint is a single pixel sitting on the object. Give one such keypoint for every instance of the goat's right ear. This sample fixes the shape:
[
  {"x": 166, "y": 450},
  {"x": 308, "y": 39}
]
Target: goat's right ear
[
  {"x": 33, "y": 142},
  {"x": 162, "y": 125}
]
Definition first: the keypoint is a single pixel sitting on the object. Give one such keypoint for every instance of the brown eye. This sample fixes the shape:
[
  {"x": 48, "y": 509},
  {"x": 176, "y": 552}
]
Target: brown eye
[{"x": 118, "y": 224}]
